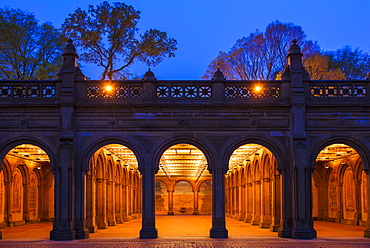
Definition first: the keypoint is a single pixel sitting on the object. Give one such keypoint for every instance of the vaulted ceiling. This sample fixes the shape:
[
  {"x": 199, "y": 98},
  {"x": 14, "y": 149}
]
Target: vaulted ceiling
[{"x": 181, "y": 160}]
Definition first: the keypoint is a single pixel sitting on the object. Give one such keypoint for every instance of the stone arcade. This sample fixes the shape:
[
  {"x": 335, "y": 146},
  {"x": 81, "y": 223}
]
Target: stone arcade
[{"x": 90, "y": 154}]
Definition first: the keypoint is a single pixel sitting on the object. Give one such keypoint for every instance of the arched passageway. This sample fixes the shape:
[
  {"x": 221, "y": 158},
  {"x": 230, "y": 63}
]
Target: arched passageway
[
  {"x": 183, "y": 183},
  {"x": 113, "y": 187},
  {"x": 253, "y": 187},
  {"x": 339, "y": 186},
  {"x": 26, "y": 187}
]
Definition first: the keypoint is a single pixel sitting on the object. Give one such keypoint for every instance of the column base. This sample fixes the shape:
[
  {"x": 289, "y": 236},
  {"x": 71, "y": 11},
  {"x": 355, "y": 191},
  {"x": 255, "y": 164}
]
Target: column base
[
  {"x": 284, "y": 233},
  {"x": 149, "y": 233},
  {"x": 303, "y": 234},
  {"x": 82, "y": 234},
  {"x": 367, "y": 233},
  {"x": 274, "y": 228},
  {"x": 170, "y": 213},
  {"x": 196, "y": 212},
  {"x": 92, "y": 229},
  {"x": 219, "y": 233},
  {"x": 119, "y": 220},
  {"x": 112, "y": 223},
  {"x": 62, "y": 235},
  {"x": 264, "y": 224}
]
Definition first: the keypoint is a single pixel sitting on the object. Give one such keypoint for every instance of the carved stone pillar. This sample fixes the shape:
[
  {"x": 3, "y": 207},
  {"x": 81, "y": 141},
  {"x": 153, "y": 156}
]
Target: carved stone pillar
[
  {"x": 170, "y": 202},
  {"x": 90, "y": 204},
  {"x": 241, "y": 215},
  {"x": 118, "y": 203},
  {"x": 249, "y": 203},
  {"x": 101, "y": 210},
  {"x": 124, "y": 203},
  {"x": 256, "y": 215},
  {"x": 276, "y": 203},
  {"x": 196, "y": 194},
  {"x": 340, "y": 214},
  {"x": 111, "y": 213},
  {"x": 148, "y": 230},
  {"x": 218, "y": 229},
  {"x": 80, "y": 216},
  {"x": 26, "y": 217},
  {"x": 286, "y": 221},
  {"x": 302, "y": 202},
  {"x": 63, "y": 225},
  {"x": 266, "y": 204},
  {"x": 367, "y": 230}
]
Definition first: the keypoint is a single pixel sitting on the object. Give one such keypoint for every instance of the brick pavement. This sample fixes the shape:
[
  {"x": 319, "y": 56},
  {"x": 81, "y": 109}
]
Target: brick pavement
[{"x": 184, "y": 232}]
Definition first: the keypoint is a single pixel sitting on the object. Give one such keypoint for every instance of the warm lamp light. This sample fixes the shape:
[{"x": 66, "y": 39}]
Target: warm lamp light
[
  {"x": 108, "y": 88},
  {"x": 257, "y": 88}
]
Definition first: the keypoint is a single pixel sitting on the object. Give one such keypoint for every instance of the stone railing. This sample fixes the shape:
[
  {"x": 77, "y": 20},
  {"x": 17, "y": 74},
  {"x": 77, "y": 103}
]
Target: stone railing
[
  {"x": 184, "y": 90},
  {"x": 166, "y": 90},
  {"x": 339, "y": 89},
  {"x": 28, "y": 89}
]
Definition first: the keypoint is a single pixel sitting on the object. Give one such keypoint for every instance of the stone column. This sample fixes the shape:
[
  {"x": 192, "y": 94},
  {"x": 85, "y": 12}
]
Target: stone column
[
  {"x": 242, "y": 203},
  {"x": 249, "y": 203},
  {"x": 218, "y": 229},
  {"x": 256, "y": 215},
  {"x": 80, "y": 216},
  {"x": 266, "y": 204},
  {"x": 286, "y": 222},
  {"x": 63, "y": 225},
  {"x": 367, "y": 230},
  {"x": 148, "y": 230},
  {"x": 8, "y": 203},
  {"x": 118, "y": 204},
  {"x": 302, "y": 203},
  {"x": 25, "y": 189},
  {"x": 101, "y": 216},
  {"x": 90, "y": 204},
  {"x": 111, "y": 203},
  {"x": 276, "y": 203},
  {"x": 340, "y": 212},
  {"x": 124, "y": 201},
  {"x": 170, "y": 202},
  {"x": 196, "y": 194}
]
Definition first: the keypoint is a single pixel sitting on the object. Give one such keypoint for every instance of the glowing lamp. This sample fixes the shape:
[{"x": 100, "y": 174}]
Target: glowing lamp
[
  {"x": 108, "y": 88},
  {"x": 257, "y": 88}
]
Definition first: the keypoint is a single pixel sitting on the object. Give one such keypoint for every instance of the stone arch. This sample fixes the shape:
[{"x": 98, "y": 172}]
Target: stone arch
[
  {"x": 192, "y": 184},
  {"x": 203, "y": 147},
  {"x": 356, "y": 144},
  {"x": 267, "y": 143},
  {"x": 205, "y": 197},
  {"x": 48, "y": 148},
  {"x": 97, "y": 144}
]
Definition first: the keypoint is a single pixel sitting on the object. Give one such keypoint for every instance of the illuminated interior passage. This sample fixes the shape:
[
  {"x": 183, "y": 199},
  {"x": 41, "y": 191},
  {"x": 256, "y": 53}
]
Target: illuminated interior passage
[
  {"x": 183, "y": 183},
  {"x": 253, "y": 193},
  {"x": 113, "y": 187},
  {"x": 339, "y": 186},
  {"x": 26, "y": 187}
]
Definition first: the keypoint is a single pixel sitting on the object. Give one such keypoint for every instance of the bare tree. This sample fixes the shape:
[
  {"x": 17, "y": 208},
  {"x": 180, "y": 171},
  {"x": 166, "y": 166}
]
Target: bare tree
[{"x": 261, "y": 56}]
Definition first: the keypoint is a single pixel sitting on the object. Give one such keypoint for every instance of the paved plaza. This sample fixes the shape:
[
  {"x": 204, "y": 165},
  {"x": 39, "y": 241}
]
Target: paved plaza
[{"x": 194, "y": 232}]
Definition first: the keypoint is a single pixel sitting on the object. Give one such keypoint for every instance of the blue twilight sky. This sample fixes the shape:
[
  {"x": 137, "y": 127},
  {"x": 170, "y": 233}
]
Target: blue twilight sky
[{"x": 202, "y": 28}]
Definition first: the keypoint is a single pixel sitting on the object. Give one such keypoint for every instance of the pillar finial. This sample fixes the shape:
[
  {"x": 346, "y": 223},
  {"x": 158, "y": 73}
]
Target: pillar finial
[{"x": 218, "y": 76}]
